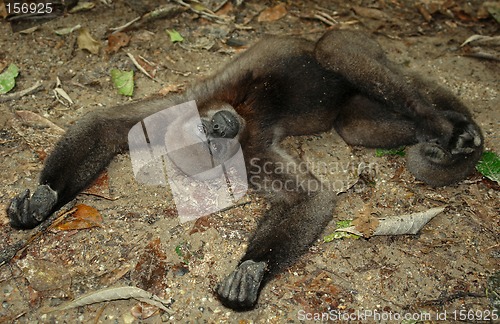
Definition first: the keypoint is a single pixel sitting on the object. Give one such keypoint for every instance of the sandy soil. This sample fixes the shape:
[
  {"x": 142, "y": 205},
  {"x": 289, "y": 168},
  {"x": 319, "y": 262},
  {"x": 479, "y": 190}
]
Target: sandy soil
[{"x": 445, "y": 268}]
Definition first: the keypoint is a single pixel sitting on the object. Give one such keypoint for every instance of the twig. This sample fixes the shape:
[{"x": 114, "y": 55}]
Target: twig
[
  {"x": 235, "y": 206},
  {"x": 19, "y": 94},
  {"x": 207, "y": 14},
  {"x": 139, "y": 67},
  {"x": 326, "y": 18},
  {"x": 446, "y": 299},
  {"x": 167, "y": 11},
  {"x": 124, "y": 27},
  {"x": 483, "y": 55}
]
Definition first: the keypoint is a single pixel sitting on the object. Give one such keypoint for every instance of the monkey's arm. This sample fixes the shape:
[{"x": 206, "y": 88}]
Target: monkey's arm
[
  {"x": 297, "y": 216},
  {"x": 78, "y": 158}
]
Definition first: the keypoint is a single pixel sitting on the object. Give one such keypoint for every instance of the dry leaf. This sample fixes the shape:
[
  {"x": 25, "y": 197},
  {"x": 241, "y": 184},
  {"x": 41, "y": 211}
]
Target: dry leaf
[
  {"x": 100, "y": 187},
  {"x": 30, "y": 119},
  {"x": 399, "y": 225},
  {"x": 83, "y": 217},
  {"x": 365, "y": 222},
  {"x": 109, "y": 294},
  {"x": 86, "y": 42},
  {"x": 111, "y": 277},
  {"x": 151, "y": 269},
  {"x": 143, "y": 310},
  {"x": 171, "y": 88},
  {"x": 117, "y": 41},
  {"x": 225, "y": 9},
  {"x": 201, "y": 225},
  {"x": 370, "y": 13},
  {"x": 273, "y": 14}
]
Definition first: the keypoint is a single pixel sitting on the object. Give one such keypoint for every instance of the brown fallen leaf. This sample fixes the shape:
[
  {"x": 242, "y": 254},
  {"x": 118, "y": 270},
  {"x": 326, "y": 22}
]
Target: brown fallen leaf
[
  {"x": 31, "y": 119},
  {"x": 86, "y": 42},
  {"x": 143, "y": 310},
  {"x": 83, "y": 217},
  {"x": 225, "y": 9},
  {"x": 149, "y": 67},
  {"x": 370, "y": 13},
  {"x": 201, "y": 225},
  {"x": 272, "y": 14},
  {"x": 112, "y": 277},
  {"x": 171, "y": 88},
  {"x": 365, "y": 222},
  {"x": 151, "y": 269},
  {"x": 117, "y": 41},
  {"x": 100, "y": 187}
]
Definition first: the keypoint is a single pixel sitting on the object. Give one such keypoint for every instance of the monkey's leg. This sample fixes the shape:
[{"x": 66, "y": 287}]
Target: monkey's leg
[
  {"x": 450, "y": 143},
  {"x": 361, "y": 61},
  {"x": 295, "y": 220},
  {"x": 366, "y": 122}
]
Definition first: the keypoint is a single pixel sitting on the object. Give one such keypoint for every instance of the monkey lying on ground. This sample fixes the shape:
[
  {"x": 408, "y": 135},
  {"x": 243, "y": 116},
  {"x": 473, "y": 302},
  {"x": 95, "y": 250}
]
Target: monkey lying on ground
[{"x": 281, "y": 87}]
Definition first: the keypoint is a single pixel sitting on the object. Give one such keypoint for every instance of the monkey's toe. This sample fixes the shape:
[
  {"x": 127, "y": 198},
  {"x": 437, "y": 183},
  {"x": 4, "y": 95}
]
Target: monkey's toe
[
  {"x": 241, "y": 288},
  {"x": 25, "y": 212}
]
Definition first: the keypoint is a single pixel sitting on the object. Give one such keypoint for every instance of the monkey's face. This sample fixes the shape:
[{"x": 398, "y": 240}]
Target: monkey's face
[{"x": 204, "y": 144}]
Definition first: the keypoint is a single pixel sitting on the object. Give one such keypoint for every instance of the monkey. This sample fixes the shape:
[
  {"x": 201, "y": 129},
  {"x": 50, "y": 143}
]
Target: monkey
[{"x": 279, "y": 87}]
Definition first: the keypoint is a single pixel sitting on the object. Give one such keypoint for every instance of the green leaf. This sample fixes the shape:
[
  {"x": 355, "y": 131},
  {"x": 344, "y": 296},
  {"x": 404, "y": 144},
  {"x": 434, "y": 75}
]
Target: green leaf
[
  {"x": 174, "y": 36},
  {"x": 178, "y": 251},
  {"x": 398, "y": 151},
  {"x": 341, "y": 235},
  {"x": 489, "y": 166},
  {"x": 123, "y": 81},
  {"x": 344, "y": 223},
  {"x": 8, "y": 78}
]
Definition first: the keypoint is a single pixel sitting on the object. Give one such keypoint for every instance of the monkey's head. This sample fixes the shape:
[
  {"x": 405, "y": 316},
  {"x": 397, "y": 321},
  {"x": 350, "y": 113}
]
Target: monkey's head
[{"x": 204, "y": 144}]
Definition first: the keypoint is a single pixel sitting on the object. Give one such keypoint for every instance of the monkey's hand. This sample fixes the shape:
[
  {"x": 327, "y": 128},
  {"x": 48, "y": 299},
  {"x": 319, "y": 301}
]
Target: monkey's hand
[
  {"x": 453, "y": 135},
  {"x": 241, "y": 288},
  {"x": 25, "y": 212}
]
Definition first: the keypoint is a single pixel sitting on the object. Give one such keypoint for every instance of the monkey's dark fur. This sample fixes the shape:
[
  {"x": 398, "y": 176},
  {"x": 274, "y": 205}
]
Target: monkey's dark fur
[{"x": 277, "y": 88}]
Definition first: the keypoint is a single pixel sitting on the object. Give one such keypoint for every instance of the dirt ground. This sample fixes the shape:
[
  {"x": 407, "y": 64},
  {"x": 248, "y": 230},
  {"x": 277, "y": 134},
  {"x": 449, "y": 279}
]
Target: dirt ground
[{"x": 442, "y": 272}]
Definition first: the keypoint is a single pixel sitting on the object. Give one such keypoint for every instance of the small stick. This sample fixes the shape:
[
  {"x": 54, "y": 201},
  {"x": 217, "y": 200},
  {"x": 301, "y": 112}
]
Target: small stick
[
  {"x": 19, "y": 94},
  {"x": 139, "y": 67}
]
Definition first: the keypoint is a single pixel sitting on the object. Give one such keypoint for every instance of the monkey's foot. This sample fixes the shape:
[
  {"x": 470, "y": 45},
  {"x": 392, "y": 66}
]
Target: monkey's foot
[
  {"x": 25, "y": 212},
  {"x": 468, "y": 140},
  {"x": 449, "y": 135},
  {"x": 465, "y": 137},
  {"x": 241, "y": 288}
]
